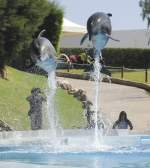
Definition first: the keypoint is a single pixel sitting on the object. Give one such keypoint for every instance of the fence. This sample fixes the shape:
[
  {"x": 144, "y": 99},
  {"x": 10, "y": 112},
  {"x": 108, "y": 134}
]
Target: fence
[{"x": 139, "y": 75}]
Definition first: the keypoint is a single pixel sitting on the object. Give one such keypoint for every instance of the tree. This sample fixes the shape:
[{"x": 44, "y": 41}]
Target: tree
[
  {"x": 53, "y": 24},
  {"x": 2, "y": 29},
  {"x": 145, "y": 5},
  {"x": 20, "y": 19}
]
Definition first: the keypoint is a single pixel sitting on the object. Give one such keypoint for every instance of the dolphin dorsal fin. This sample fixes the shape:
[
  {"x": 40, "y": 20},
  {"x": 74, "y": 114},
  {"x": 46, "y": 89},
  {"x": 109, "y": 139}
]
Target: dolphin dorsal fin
[
  {"x": 41, "y": 33},
  {"x": 109, "y": 14}
]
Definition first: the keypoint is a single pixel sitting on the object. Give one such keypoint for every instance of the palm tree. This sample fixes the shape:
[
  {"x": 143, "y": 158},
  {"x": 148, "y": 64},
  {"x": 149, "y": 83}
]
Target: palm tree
[{"x": 145, "y": 5}]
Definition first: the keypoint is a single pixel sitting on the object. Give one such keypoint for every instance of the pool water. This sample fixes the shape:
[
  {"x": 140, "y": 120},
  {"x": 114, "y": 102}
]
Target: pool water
[
  {"x": 75, "y": 150},
  {"x": 72, "y": 160}
]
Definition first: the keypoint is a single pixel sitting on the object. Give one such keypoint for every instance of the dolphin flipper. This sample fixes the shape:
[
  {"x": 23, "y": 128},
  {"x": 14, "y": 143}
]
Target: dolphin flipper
[
  {"x": 112, "y": 38},
  {"x": 83, "y": 38}
]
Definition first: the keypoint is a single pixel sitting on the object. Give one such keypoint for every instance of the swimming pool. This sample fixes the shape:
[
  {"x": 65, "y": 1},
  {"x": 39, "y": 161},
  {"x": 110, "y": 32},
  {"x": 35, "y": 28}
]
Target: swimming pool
[
  {"x": 80, "y": 160},
  {"x": 36, "y": 150}
]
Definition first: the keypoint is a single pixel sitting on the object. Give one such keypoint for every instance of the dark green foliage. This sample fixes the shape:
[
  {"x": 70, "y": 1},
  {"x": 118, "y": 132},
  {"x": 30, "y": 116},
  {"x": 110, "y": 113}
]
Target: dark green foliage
[
  {"x": 130, "y": 58},
  {"x": 53, "y": 24},
  {"x": 2, "y": 29},
  {"x": 20, "y": 20}
]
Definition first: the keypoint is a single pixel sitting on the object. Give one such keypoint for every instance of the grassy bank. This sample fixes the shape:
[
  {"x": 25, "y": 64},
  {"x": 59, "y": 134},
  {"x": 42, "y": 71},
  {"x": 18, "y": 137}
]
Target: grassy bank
[
  {"x": 69, "y": 109},
  {"x": 14, "y": 107},
  {"x": 137, "y": 76}
]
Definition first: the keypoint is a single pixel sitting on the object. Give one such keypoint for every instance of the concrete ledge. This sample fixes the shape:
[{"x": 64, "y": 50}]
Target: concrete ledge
[
  {"x": 113, "y": 80},
  {"x": 131, "y": 83},
  {"x": 74, "y": 76}
]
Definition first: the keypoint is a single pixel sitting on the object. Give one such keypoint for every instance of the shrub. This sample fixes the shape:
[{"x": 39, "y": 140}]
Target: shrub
[
  {"x": 130, "y": 58},
  {"x": 21, "y": 21}
]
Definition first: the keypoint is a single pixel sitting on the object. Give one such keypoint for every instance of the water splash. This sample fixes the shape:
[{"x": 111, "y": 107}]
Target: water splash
[
  {"x": 99, "y": 41},
  {"x": 50, "y": 102},
  {"x": 44, "y": 55},
  {"x": 97, "y": 68},
  {"x": 47, "y": 65}
]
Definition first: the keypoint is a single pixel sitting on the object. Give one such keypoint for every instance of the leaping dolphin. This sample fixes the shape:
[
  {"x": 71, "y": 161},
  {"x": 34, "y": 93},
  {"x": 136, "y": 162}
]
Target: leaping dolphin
[
  {"x": 43, "y": 53},
  {"x": 99, "y": 23}
]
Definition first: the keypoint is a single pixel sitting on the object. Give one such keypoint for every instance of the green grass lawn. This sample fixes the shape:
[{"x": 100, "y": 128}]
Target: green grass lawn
[
  {"x": 14, "y": 107},
  {"x": 137, "y": 76},
  {"x": 70, "y": 110}
]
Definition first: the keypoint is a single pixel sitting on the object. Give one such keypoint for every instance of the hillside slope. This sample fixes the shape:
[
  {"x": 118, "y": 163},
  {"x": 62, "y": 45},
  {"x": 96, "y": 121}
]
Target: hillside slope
[{"x": 14, "y": 107}]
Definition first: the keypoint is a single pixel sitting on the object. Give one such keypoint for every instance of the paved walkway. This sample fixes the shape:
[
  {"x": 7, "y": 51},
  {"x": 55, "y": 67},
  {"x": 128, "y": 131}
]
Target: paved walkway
[{"x": 115, "y": 98}]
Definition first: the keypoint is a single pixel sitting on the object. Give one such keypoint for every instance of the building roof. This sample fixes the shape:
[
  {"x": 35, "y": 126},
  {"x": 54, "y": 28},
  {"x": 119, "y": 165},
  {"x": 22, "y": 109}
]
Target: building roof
[{"x": 70, "y": 28}]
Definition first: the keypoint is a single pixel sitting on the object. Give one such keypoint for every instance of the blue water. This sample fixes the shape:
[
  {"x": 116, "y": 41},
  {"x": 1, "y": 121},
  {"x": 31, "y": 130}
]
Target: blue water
[
  {"x": 37, "y": 158},
  {"x": 99, "y": 41},
  {"x": 48, "y": 65},
  {"x": 34, "y": 150}
]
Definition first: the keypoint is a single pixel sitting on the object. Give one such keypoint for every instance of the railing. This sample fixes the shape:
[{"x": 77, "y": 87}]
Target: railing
[
  {"x": 141, "y": 75},
  {"x": 132, "y": 71}
]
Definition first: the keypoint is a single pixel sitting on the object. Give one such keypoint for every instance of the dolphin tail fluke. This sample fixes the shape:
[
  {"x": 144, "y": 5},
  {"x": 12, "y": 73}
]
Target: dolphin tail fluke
[
  {"x": 41, "y": 33},
  {"x": 83, "y": 38},
  {"x": 112, "y": 38}
]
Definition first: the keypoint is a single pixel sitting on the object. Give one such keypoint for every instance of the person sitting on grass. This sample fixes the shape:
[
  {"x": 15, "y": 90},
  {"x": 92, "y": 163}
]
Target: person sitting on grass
[{"x": 123, "y": 122}]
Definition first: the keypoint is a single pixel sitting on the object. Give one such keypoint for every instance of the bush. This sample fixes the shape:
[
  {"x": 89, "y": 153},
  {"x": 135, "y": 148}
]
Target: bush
[
  {"x": 130, "y": 58},
  {"x": 21, "y": 21},
  {"x": 52, "y": 23}
]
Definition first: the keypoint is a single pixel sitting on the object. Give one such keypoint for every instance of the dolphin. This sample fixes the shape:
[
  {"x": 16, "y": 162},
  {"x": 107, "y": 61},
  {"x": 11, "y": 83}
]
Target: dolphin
[
  {"x": 43, "y": 53},
  {"x": 99, "y": 23}
]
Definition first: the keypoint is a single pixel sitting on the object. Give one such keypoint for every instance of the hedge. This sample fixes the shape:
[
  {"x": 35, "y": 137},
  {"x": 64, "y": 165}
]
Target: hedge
[{"x": 130, "y": 58}]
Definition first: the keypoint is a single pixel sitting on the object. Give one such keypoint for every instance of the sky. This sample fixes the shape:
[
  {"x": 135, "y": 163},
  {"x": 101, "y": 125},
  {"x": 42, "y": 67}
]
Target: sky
[{"x": 126, "y": 14}]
